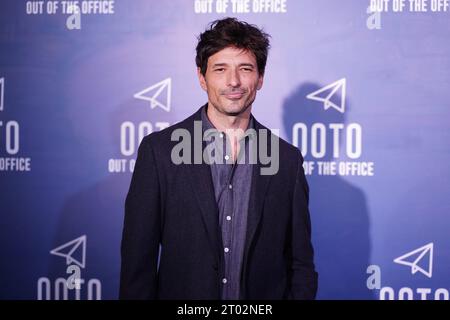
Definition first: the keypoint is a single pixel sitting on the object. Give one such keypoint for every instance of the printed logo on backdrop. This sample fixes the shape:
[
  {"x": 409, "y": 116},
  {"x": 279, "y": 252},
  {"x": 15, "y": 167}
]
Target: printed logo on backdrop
[
  {"x": 11, "y": 158},
  {"x": 419, "y": 260},
  {"x": 156, "y": 96},
  {"x": 72, "y": 287},
  {"x": 376, "y": 7},
  {"x": 240, "y": 6},
  {"x": 159, "y": 94},
  {"x": 418, "y": 263},
  {"x": 318, "y": 139},
  {"x": 74, "y": 10}
]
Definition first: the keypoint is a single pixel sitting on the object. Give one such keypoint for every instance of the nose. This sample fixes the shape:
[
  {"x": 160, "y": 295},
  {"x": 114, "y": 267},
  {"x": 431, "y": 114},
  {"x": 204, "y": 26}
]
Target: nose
[{"x": 234, "y": 79}]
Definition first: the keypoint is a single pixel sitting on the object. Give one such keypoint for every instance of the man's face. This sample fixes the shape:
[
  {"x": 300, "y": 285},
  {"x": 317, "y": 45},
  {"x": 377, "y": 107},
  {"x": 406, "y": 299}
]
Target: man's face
[{"x": 231, "y": 80}]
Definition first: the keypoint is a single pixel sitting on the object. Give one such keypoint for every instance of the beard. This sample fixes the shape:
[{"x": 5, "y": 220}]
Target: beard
[{"x": 243, "y": 103}]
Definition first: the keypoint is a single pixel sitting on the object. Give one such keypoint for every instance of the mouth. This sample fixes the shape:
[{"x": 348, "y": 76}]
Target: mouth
[{"x": 234, "y": 95}]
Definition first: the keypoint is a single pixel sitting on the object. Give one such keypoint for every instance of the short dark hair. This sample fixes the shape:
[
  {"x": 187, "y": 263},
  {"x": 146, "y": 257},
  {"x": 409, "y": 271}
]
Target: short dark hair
[{"x": 230, "y": 32}]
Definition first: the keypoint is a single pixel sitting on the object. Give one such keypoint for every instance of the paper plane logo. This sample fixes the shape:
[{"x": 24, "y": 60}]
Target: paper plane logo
[
  {"x": 2, "y": 90},
  {"x": 74, "y": 251},
  {"x": 327, "y": 93},
  {"x": 420, "y": 260},
  {"x": 155, "y": 94}
]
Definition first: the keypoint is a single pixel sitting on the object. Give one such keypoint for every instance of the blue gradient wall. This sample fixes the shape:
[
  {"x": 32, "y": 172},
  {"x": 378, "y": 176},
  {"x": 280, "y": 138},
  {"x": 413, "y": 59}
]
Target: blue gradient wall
[{"x": 364, "y": 95}]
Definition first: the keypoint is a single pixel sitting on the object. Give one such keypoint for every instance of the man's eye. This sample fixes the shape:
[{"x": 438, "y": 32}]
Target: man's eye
[
  {"x": 247, "y": 69},
  {"x": 219, "y": 69}
]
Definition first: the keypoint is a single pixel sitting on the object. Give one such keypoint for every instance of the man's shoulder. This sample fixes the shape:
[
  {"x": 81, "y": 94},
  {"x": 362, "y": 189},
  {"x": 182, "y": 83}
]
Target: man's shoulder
[
  {"x": 163, "y": 137},
  {"x": 286, "y": 149}
]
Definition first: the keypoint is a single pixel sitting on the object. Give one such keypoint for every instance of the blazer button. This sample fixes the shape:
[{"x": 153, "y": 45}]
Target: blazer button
[{"x": 215, "y": 266}]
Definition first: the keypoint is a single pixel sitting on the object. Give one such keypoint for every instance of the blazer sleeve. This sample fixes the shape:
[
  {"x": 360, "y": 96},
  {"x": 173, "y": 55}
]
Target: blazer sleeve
[
  {"x": 304, "y": 277},
  {"x": 141, "y": 231}
]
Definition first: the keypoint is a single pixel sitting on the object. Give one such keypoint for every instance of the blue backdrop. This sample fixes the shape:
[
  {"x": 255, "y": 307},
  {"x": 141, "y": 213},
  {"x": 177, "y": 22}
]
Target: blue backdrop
[{"x": 365, "y": 95}]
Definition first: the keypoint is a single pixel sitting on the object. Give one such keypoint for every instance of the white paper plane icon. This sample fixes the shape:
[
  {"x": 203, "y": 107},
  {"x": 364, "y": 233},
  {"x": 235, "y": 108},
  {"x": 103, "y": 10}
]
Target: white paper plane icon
[
  {"x": 2, "y": 89},
  {"x": 326, "y": 93},
  {"x": 68, "y": 249},
  {"x": 413, "y": 258},
  {"x": 157, "y": 89}
]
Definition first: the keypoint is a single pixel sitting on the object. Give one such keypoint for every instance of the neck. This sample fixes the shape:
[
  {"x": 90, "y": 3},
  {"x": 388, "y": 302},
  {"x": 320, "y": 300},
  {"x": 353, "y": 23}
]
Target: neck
[{"x": 224, "y": 122}]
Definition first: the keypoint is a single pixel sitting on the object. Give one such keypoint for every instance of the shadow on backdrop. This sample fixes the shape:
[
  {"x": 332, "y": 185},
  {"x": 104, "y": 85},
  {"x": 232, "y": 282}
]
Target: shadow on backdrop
[{"x": 339, "y": 216}]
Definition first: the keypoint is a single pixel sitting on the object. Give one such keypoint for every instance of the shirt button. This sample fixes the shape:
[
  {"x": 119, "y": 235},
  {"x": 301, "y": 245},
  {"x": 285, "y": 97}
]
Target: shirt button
[
  {"x": 230, "y": 186},
  {"x": 226, "y": 249},
  {"x": 228, "y": 218},
  {"x": 224, "y": 280},
  {"x": 221, "y": 135},
  {"x": 227, "y": 157}
]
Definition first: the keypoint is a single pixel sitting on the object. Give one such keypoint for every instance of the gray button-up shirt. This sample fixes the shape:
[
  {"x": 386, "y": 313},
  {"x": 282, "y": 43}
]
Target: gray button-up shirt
[{"x": 232, "y": 183}]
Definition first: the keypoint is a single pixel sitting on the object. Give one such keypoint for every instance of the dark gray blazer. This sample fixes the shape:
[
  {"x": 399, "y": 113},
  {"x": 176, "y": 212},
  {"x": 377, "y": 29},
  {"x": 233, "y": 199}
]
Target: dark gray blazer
[{"x": 173, "y": 207}]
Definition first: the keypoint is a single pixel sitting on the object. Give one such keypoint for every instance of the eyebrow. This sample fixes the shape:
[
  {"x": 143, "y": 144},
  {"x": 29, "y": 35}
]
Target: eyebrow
[{"x": 240, "y": 65}]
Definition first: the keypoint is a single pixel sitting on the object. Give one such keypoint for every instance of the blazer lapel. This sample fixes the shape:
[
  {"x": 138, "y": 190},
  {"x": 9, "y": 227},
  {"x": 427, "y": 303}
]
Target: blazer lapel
[
  {"x": 203, "y": 189},
  {"x": 260, "y": 184},
  {"x": 258, "y": 191}
]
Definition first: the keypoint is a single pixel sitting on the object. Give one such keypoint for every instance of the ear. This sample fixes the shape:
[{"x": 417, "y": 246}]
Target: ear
[
  {"x": 260, "y": 82},
  {"x": 201, "y": 79}
]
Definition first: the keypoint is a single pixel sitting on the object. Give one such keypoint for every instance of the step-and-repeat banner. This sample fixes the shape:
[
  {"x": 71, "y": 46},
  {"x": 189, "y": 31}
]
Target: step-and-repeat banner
[{"x": 361, "y": 87}]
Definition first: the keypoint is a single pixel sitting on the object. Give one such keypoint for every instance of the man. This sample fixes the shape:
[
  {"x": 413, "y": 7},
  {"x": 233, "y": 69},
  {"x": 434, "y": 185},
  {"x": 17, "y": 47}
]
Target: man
[{"x": 221, "y": 227}]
